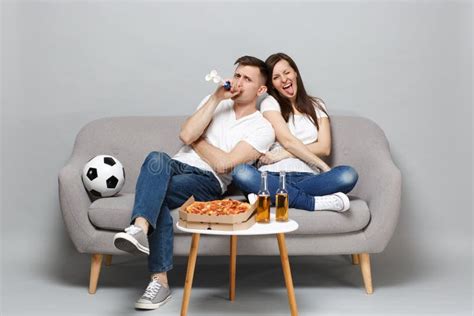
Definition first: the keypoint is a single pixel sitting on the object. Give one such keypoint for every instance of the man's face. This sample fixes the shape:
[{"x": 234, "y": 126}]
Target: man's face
[{"x": 249, "y": 81}]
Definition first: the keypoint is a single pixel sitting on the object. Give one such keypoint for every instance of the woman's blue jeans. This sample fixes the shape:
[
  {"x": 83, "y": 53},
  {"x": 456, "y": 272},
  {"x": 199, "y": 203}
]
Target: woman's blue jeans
[
  {"x": 165, "y": 184},
  {"x": 302, "y": 187}
]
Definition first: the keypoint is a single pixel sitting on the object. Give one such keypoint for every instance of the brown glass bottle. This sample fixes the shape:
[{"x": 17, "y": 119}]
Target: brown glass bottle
[
  {"x": 263, "y": 202},
  {"x": 281, "y": 200}
]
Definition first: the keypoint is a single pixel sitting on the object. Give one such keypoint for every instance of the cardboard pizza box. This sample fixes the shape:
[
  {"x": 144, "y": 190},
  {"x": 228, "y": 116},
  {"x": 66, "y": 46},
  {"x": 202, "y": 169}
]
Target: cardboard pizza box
[
  {"x": 220, "y": 226},
  {"x": 223, "y": 219}
]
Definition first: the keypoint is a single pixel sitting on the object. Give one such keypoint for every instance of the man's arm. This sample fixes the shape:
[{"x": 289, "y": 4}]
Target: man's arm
[
  {"x": 197, "y": 123},
  {"x": 221, "y": 161}
]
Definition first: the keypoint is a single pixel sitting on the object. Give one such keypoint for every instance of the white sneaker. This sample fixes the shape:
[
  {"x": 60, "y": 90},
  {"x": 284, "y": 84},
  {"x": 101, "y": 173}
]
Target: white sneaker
[
  {"x": 338, "y": 202},
  {"x": 252, "y": 197}
]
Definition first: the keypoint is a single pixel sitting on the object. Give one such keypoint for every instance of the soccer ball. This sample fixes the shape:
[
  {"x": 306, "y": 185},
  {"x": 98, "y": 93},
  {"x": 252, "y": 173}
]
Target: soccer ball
[{"x": 103, "y": 176}]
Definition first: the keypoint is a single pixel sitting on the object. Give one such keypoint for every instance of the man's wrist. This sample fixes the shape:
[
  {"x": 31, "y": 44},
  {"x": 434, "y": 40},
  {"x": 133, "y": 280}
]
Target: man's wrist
[
  {"x": 196, "y": 143},
  {"x": 215, "y": 99}
]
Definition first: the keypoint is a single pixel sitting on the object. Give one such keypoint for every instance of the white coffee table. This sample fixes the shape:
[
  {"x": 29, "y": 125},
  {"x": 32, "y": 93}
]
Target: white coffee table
[{"x": 274, "y": 227}]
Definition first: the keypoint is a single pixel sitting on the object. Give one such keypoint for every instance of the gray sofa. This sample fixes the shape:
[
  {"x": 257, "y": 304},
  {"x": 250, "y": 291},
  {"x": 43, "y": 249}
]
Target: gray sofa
[{"x": 366, "y": 228}]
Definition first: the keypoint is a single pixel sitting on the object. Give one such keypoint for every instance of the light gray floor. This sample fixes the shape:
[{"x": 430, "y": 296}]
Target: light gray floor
[{"x": 327, "y": 285}]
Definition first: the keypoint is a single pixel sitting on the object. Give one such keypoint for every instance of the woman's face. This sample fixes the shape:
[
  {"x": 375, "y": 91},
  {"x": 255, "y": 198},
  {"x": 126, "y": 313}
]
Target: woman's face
[{"x": 284, "y": 79}]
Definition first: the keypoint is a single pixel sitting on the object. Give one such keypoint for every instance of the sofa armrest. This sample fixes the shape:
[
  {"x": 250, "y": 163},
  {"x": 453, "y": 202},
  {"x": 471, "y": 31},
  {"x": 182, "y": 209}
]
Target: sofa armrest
[
  {"x": 380, "y": 186},
  {"x": 75, "y": 202}
]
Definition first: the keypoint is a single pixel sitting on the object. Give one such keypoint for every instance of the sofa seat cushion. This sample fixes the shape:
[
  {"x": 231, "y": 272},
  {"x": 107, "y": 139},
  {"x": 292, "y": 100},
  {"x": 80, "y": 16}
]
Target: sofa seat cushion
[
  {"x": 114, "y": 213},
  {"x": 328, "y": 222}
]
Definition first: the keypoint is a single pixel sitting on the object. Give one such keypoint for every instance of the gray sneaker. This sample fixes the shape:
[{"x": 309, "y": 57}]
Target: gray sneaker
[
  {"x": 155, "y": 295},
  {"x": 133, "y": 240}
]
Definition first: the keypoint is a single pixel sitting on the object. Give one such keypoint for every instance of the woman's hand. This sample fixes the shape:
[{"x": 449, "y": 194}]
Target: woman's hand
[
  {"x": 325, "y": 168},
  {"x": 274, "y": 155},
  {"x": 279, "y": 153},
  {"x": 322, "y": 166}
]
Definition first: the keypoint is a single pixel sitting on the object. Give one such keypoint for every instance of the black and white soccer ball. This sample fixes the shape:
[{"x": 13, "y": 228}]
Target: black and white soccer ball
[{"x": 103, "y": 176}]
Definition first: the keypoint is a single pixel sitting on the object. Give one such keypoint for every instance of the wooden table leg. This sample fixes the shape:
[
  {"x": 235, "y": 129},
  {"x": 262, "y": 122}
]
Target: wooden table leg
[
  {"x": 108, "y": 260},
  {"x": 190, "y": 273},
  {"x": 355, "y": 259},
  {"x": 287, "y": 273},
  {"x": 232, "y": 266}
]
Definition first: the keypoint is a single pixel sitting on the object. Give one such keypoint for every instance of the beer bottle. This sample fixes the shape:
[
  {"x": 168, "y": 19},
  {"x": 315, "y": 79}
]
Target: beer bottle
[
  {"x": 263, "y": 202},
  {"x": 281, "y": 199}
]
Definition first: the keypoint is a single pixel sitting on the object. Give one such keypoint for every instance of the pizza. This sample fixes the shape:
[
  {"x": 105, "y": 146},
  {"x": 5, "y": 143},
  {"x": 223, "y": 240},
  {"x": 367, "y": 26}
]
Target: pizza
[{"x": 218, "y": 207}]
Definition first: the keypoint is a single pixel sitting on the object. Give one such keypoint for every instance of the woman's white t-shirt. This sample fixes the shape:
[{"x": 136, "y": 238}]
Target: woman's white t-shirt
[{"x": 301, "y": 126}]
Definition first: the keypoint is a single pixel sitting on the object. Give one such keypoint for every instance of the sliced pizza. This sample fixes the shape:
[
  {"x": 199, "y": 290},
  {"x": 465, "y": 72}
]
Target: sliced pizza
[{"x": 218, "y": 207}]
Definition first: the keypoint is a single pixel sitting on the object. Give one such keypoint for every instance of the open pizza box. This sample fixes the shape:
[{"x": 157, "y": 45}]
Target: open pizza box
[{"x": 216, "y": 222}]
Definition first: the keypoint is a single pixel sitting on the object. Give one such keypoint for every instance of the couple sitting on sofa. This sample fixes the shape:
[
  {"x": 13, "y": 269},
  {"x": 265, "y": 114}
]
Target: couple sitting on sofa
[{"x": 222, "y": 138}]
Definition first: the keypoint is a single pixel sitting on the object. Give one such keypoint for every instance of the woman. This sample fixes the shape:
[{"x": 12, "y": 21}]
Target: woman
[{"x": 302, "y": 129}]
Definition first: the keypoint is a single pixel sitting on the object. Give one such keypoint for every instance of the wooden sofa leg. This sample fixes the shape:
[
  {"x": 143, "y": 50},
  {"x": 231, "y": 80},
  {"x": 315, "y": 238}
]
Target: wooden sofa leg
[
  {"x": 355, "y": 259},
  {"x": 108, "y": 260},
  {"x": 96, "y": 262},
  {"x": 366, "y": 273}
]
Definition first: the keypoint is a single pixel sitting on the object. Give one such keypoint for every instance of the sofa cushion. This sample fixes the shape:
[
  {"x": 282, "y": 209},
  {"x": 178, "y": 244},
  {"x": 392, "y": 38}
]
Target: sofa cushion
[
  {"x": 113, "y": 213},
  {"x": 328, "y": 222}
]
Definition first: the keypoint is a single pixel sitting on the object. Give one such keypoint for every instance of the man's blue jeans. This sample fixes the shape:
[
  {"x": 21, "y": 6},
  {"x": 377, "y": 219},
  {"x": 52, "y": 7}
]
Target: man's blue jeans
[
  {"x": 301, "y": 186},
  {"x": 165, "y": 184}
]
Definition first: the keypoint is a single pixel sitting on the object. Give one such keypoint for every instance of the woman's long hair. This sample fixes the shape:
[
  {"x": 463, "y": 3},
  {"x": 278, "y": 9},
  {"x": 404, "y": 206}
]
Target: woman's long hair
[{"x": 304, "y": 103}]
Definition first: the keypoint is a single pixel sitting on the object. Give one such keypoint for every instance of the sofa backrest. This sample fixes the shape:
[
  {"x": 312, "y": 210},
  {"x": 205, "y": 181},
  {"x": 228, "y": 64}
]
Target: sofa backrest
[
  {"x": 130, "y": 139},
  {"x": 356, "y": 141}
]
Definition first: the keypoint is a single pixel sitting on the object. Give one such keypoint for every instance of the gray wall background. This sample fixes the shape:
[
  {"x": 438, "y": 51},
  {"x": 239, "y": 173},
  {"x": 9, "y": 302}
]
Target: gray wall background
[{"x": 405, "y": 65}]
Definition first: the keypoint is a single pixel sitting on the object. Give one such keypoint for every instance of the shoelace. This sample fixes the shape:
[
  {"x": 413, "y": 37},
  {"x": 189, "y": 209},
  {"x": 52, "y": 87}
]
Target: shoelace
[
  {"x": 132, "y": 230},
  {"x": 152, "y": 289}
]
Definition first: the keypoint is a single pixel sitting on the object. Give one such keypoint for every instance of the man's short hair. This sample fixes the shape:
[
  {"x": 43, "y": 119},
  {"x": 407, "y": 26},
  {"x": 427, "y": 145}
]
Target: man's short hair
[{"x": 254, "y": 61}]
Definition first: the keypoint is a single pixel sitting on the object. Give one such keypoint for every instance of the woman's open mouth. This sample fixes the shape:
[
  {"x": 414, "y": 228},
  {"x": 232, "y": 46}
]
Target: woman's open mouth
[{"x": 288, "y": 88}]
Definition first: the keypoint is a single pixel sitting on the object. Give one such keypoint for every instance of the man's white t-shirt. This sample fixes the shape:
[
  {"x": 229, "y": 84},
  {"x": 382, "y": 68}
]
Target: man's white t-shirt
[
  {"x": 225, "y": 132},
  {"x": 301, "y": 126}
]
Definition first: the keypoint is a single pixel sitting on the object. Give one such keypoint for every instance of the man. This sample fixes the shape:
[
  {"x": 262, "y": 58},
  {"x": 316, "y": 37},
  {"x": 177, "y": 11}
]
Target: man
[{"x": 226, "y": 121}]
